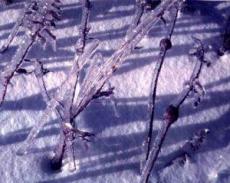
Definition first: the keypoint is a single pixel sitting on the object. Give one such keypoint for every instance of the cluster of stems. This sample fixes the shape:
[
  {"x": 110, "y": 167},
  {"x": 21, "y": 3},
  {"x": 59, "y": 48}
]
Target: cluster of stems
[
  {"x": 92, "y": 85},
  {"x": 37, "y": 27},
  {"x": 67, "y": 103}
]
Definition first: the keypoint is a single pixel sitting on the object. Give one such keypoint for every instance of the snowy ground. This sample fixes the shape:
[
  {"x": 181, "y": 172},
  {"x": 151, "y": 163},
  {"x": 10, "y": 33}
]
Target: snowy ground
[{"x": 114, "y": 156}]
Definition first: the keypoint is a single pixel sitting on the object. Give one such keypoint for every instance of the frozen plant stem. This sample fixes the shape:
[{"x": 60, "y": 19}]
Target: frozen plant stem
[
  {"x": 172, "y": 113},
  {"x": 139, "y": 10},
  {"x": 61, "y": 102},
  {"x": 9, "y": 71},
  {"x": 165, "y": 45},
  {"x": 84, "y": 27},
  {"x": 37, "y": 14},
  {"x": 68, "y": 133},
  {"x": 15, "y": 30},
  {"x": 12, "y": 35},
  {"x": 100, "y": 74}
]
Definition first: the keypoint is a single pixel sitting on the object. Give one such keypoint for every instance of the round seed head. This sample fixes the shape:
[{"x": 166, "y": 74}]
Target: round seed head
[{"x": 165, "y": 44}]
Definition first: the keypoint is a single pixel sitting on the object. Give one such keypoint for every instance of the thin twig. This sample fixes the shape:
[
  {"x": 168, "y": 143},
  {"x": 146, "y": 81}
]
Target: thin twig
[
  {"x": 172, "y": 113},
  {"x": 165, "y": 45},
  {"x": 139, "y": 10},
  {"x": 84, "y": 27},
  {"x": 11, "y": 68}
]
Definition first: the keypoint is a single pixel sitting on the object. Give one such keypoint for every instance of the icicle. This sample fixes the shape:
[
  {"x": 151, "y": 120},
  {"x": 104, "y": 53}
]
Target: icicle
[
  {"x": 11, "y": 68},
  {"x": 24, "y": 149}
]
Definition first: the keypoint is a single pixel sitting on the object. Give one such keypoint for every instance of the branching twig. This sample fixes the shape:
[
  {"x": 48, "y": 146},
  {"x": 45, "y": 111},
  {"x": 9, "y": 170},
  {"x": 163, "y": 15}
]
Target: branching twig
[
  {"x": 188, "y": 149},
  {"x": 68, "y": 133},
  {"x": 56, "y": 100},
  {"x": 33, "y": 17},
  {"x": 62, "y": 101},
  {"x": 172, "y": 113}
]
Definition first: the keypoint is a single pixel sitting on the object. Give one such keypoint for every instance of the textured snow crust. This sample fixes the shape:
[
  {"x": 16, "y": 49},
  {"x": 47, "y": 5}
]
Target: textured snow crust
[{"x": 114, "y": 155}]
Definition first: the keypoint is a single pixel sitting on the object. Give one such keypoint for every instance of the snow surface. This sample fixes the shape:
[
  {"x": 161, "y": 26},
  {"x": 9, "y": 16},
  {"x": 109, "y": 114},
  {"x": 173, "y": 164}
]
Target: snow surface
[{"x": 114, "y": 156}]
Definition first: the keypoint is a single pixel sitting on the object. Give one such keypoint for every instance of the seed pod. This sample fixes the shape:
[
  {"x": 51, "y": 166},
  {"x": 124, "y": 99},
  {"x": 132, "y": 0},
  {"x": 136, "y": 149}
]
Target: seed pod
[
  {"x": 171, "y": 114},
  {"x": 165, "y": 44}
]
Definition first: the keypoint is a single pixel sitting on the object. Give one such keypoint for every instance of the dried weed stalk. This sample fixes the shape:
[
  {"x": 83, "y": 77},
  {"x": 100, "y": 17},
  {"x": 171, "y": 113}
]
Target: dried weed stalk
[
  {"x": 165, "y": 45},
  {"x": 172, "y": 111}
]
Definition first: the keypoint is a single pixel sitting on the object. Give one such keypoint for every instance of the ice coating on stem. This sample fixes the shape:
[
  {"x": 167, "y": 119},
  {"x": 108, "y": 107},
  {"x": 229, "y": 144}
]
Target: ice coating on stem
[
  {"x": 8, "y": 72},
  {"x": 39, "y": 75},
  {"x": 172, "y": 113},
  {"x": 37, "y": 18},
  {"x": 139, "y": 10},
  {"x": 55, "y": 102},
  {"x": 84, "y": 27},
  {"x": 30, "y": 139},
  {"x": 165, "y": 45},
  {"x": 102, "y": 73},
  {"x": 36, "y": 24}
]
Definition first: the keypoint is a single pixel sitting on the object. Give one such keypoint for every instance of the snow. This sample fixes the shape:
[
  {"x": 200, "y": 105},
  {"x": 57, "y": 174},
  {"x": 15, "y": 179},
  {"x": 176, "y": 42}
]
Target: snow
[{"x": 114, "y": 155}]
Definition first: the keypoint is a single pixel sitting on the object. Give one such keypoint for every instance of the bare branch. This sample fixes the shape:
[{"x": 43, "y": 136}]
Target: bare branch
[
  {"x": 84, "y": 27},
  {"x": 165, "y": 45},
  {"x": 172, "y": 113},
  {"x": 11, "y": 68},
  {"x": 139, "y": 10}
]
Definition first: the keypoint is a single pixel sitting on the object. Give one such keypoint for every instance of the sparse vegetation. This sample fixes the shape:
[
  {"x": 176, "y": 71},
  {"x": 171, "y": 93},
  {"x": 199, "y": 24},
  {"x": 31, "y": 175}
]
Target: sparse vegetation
[{"x": 39, "y": 19}]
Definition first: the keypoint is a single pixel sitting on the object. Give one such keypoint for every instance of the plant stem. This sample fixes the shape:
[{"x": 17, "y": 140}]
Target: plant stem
[
  {"x": 11, "y": 68},
  {"x": 165, "y": 45},
  {"x": 171, "y": 115}
]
